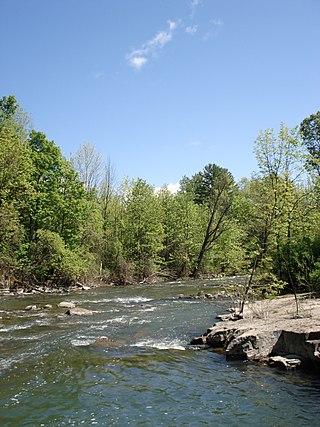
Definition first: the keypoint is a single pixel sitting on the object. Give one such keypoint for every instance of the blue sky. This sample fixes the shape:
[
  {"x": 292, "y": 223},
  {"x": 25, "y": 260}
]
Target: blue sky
[{"x": 162, "y": 87}]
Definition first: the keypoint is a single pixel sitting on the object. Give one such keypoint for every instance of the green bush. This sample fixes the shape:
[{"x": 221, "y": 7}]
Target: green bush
[{"x": 52, "y": 261}]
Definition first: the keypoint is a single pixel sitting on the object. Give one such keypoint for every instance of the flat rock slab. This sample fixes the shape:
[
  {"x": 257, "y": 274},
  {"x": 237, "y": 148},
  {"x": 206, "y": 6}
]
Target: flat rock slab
[{"x": 269, "y": 329}]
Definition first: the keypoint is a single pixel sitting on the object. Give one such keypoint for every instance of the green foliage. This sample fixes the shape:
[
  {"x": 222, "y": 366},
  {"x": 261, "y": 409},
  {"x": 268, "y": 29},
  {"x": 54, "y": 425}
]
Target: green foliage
[
  {"x": 229, "y": 254},
  {"x": 62, "y": 221},
  {"x": 12, "y": 116},
  {"x": 315, "y": 277},
  {"x": 52, "y": 261},
  {"x": 182, "y": 226},
  {"x": 310, "y": 130},
  {"x": 213, "y": 188},
  {"x": 143, "y": 232},
  {"x": 8, "y": 108},
  {"x": 59, "y": 203},
  {"x": 11, "y": 236},
  {"x": 15, "y": 168}
]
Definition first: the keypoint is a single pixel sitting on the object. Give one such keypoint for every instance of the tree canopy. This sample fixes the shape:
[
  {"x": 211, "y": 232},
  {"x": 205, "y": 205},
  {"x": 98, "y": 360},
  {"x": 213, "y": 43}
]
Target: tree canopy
[{"x": 63, "y": 221}]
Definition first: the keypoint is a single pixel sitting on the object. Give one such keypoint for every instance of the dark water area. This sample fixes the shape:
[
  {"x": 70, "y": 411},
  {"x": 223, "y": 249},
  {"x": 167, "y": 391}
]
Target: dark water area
[{"x": 54, "y": 372}]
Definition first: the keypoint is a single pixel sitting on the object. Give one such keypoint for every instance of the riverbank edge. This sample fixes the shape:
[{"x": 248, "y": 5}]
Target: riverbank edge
[
  {"x": 38, "y": 290},
  {"x": 270, "y": 332},
  {"x": 28, "y": 289}
]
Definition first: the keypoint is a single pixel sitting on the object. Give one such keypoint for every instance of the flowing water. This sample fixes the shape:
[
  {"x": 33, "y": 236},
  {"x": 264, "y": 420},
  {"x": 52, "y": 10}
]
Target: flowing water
[{"x": 62, "y": 371}]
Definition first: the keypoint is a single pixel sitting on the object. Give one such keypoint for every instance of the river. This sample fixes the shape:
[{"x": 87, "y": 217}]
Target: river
[{"x": 62, "y": 371}]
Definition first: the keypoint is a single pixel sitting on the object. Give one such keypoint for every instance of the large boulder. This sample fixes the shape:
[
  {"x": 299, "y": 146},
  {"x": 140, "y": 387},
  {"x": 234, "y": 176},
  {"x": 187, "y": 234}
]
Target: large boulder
[
  {"x": 220, "y": 336},
  {"x": 252, "y": 345},
  {"x": 304, "y": 344}
]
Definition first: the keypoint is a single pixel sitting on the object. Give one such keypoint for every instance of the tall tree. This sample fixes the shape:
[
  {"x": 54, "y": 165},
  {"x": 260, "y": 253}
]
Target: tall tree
[
  {"x": 274, "y": 203},
  {"x": 280, "y": 160},
  {"x": 15, "y": 187},
  {"x": 143, "y": 234},
  {"x": 107, "y": 187},
  {"x": 181, "y": 221},
  {"x": 87, "y": 161},
  {"x": 59, "y": 202},
  {"x": 213, "y": 188}
]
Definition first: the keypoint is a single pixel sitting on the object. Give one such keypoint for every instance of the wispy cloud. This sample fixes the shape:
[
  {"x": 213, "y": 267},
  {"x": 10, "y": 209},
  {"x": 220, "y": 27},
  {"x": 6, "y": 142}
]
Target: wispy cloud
[
  {"x": 194, "y": 4},
  {"x": 98, "y": 75},
  {"x": 195, "y": 143},
  {"x": 137, "y": 58},
  {"x": 192, "y": 29},
  {"x": 215, "y": 25},
  {"x": 217, "y": 22}
]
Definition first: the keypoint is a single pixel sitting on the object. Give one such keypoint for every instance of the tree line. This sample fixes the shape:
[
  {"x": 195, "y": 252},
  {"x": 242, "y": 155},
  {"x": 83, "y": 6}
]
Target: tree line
[{"x": 63, "y": 221}]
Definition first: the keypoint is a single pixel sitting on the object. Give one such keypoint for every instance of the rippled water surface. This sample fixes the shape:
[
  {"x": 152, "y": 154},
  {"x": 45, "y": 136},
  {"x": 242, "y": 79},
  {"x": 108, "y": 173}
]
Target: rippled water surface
[{"x": 63, "y": 371}]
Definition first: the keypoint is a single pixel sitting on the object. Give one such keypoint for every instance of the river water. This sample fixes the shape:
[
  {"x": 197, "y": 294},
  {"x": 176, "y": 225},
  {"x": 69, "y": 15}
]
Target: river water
[{"x": 62, "y": 371}]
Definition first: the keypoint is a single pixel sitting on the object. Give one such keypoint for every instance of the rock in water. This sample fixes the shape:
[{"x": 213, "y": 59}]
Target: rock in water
[
  {"x": 31, "y": 307},
  {"x": 198, "y": 341},
  {"x": 285, "y": 362},
  {"x": 79, "y": 312},
  {"x": 66, "y": 304}
]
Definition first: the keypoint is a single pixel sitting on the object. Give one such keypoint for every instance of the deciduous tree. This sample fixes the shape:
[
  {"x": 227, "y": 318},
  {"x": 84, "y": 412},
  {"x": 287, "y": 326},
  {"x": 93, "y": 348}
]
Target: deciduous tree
[{"x": 213, "y": 189}]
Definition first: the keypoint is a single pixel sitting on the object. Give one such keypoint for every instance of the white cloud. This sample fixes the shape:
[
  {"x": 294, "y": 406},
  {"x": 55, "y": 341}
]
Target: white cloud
[
  {"x": 173, "y": 25},
  {"x": 192, "y": 29},
  {"x": 172, "y": 188},
  {"x": 137, "y": 61},
  {"x": 137, "y": 58},
  {"x": 159, "y": 40}
]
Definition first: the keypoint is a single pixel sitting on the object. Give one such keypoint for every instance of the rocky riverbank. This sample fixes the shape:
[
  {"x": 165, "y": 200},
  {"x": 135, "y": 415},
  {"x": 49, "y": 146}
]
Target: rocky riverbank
[
  {"x": 271, "y": 332},
  {"x": 27, "y": 289}
]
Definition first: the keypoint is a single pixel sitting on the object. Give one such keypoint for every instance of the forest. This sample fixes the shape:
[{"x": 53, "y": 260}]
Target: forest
[{"x": 64, "y": 221}]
